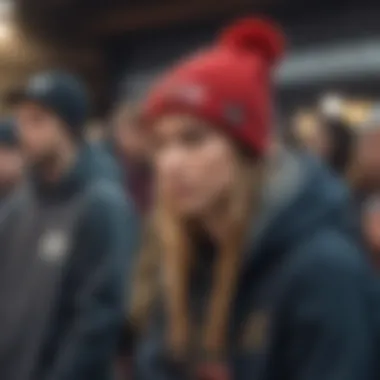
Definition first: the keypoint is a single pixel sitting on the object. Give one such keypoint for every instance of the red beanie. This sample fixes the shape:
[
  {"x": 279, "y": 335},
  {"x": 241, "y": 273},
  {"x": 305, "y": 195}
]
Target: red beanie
[{"x": 228, "y": 85}]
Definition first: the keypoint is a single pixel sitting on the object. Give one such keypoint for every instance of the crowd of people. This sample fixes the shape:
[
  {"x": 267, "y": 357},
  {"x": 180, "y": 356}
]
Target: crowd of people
[
  {"x": 190, "y": 241},
  {"x": 351, "y": 152}
]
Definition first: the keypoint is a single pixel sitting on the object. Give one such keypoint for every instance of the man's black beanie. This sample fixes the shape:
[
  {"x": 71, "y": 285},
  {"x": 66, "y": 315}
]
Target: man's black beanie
[{"x": 61, "y": 93}]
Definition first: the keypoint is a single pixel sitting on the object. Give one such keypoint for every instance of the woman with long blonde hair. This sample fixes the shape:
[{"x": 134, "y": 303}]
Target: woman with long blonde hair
[{"x": 248, "y": 271}]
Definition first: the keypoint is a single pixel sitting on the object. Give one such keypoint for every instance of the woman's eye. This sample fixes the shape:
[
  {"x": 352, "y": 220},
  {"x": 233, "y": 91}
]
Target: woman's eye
[{"x": 193, "y": 137}]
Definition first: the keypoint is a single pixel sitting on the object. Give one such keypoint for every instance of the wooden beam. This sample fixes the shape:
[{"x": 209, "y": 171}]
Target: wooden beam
[{"x": 131, "y": 19}]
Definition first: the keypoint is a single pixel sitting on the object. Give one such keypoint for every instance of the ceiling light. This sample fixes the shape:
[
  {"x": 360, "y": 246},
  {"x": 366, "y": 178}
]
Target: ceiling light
[{"x": 6, "y": 32}]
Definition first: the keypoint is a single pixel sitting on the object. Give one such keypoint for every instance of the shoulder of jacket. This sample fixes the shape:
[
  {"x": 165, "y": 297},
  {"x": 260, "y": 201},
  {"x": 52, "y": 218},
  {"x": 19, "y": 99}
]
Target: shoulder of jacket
[
  {"x": 331, "y": 251},
  {"x": 107, "y": 197}
]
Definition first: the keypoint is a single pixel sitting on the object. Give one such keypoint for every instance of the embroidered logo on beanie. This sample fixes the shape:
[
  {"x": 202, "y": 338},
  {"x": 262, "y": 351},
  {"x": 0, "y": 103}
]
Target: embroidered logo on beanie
[{"x": 190, "y": 93}]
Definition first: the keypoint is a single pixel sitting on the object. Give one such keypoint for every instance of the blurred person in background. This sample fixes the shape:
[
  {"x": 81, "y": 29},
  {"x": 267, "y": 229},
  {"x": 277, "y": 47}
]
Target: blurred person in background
[
  {"x": 129, "y": 146},
  {"x": 329, "y": 138},
  {"x": 340, "y": 137},
  {"x": 341, "y": 145},
  {"x": 65, "y": 246},
  {"x": 249, "y": 271},
  {"x": 371, "y": 228},
  {"x": 306, "y": 133},
  {"x": 11, "y": 161}
]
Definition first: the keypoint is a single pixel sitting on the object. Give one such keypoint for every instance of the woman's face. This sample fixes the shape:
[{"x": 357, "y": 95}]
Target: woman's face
[{"x": 194, "y": 163}]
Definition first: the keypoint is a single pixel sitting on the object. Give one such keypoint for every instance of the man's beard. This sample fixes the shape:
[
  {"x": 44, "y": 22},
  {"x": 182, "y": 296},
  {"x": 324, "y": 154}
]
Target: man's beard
[
  {"x": 45, "y": 162},
  {"x": 7, "y": 186}
]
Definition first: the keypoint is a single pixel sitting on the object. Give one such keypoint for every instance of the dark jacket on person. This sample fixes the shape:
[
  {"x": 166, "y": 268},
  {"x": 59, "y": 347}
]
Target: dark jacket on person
[
  {"x": 305, "y": 305},
  {"x": 109, "y": 166},
  {"x": 65, "y": 253}
]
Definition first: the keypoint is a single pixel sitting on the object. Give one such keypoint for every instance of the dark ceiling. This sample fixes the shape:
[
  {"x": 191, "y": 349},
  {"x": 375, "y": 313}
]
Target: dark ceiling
[
  {"x": 75, "y": 21},
  {"x": 77, "y": 29}
]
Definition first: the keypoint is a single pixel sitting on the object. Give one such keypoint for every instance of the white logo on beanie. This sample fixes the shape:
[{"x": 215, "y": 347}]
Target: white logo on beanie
[
  {"x": 41, "y": 83},
  {"x": 192, "y": 93}
]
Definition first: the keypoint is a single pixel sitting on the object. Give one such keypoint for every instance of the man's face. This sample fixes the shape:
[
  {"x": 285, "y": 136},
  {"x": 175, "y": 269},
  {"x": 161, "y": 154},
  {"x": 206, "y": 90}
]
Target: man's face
[
  {"x": 40, "y": 132},
  {"x": 11, "y": 167}
]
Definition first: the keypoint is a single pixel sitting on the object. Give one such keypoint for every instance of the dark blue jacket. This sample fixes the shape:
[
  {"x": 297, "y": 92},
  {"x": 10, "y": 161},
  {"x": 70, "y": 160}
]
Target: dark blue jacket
[
  {"x": 75, "y": 242},
  {"x": 91, "y": 311},
  {"x": 106, "y": 161},
  {"x": 304, "y": 307}
]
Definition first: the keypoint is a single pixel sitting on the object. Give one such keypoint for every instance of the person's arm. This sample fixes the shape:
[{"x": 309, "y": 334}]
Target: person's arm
[
  {"x": 105, "y": 248},
  {"x": 332, "y": 332}
]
